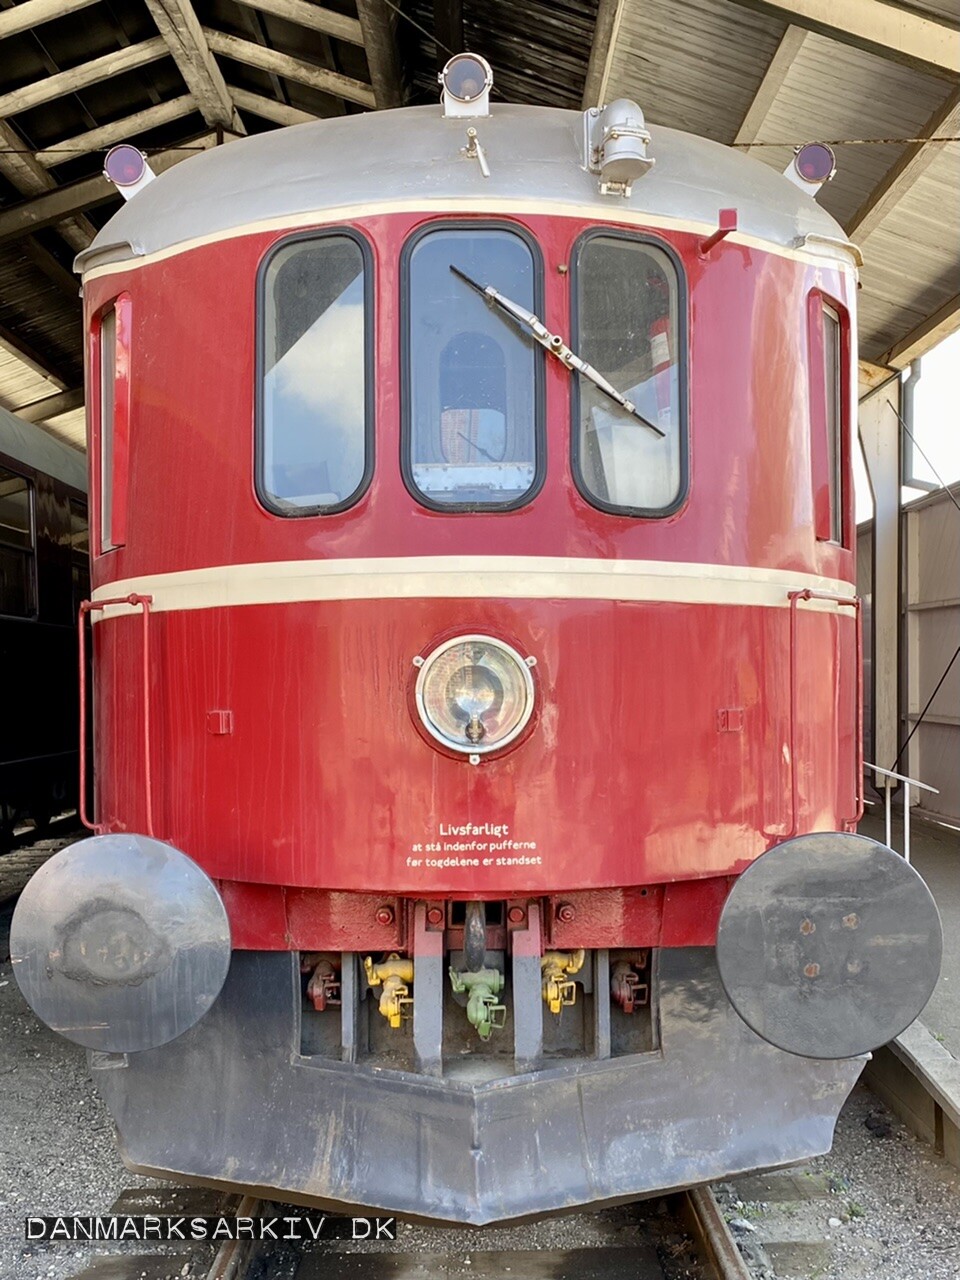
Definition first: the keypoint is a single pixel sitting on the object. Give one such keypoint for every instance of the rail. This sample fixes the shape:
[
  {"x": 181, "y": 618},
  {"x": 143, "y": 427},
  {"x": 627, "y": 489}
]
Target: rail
[
  {"x": 888, "y": 793},
  {"x": 92, "y": 606}
]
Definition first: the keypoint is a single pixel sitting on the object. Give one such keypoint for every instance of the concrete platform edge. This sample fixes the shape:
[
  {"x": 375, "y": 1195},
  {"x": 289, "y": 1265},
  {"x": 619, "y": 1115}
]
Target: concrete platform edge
[{"x": 919, "y": 1080}]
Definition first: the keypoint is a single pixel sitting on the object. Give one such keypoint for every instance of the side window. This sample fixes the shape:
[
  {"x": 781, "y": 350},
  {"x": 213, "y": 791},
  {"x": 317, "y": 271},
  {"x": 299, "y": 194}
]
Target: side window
[
  {"x": 629, "y": 327},
  {"x": 79, "y": 553},
  {"x": 827, "y": 417},
  {"x": 472, "y": 387},
  {"x": 314, "y": 450},
  {"x": 833, "y": 418},
  {"x": 108, "y": 349},
  {"x": 18, "y": 594},
  {"x": 112, "y": 372}
]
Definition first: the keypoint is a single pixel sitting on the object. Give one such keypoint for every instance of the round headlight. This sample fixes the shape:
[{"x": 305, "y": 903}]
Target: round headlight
[
  {"x": 466, "y": 77},
  {"x": 474, "y": 694}
]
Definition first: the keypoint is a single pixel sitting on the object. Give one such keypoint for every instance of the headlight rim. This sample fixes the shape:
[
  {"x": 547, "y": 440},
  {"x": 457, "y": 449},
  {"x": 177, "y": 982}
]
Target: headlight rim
[{"x": 436, "y": 738}]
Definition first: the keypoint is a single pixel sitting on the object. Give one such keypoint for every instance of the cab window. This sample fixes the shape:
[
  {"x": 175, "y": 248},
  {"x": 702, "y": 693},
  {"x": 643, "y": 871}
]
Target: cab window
[
  {"x": 473, "y": 377},
  {"x": 314, "y": 440},
  {"x": 629, "y": 328}
]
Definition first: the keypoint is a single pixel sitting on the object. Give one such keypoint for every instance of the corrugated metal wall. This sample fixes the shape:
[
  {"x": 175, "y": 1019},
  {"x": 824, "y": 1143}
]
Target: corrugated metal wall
[{"x": 931, "y": 633}]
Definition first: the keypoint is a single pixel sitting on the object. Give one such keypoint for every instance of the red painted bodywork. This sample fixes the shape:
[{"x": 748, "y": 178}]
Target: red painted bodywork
[{"x": 285, "y": 757}]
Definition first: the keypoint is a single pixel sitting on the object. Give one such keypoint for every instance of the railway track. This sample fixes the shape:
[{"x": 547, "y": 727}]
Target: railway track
[
  {"x": 17, "y": 866},
  {"x": 681, "y": 1237}
]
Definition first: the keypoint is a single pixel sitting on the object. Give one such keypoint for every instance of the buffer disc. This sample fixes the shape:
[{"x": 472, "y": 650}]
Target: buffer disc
[
  {"x": 829, "y": 945},
  {"x": 120, "y": 943}
]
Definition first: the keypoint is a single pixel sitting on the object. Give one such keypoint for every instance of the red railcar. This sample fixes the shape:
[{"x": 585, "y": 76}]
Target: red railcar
[{"x": 472, "y": 678}]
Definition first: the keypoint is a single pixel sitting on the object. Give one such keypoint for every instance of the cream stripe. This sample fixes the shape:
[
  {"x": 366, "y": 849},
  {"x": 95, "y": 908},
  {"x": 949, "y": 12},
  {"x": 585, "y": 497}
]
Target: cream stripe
[
  {"x": 468, "y": 577},
  {"x": 336, "y": 216}
]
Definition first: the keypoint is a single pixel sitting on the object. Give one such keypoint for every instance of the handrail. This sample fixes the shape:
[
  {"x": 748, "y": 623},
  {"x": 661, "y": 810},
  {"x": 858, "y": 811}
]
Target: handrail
[
  {"x": 888, "y": 789},
  {"x": 851, "y": 602},
  {"x": 90, "y": 606}
]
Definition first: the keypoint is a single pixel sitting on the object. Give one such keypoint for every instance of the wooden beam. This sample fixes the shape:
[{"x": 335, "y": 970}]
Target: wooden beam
[
  {"x": 111, "y": 64},
  {"x": 605, "y": 32},
  {"x": 269, "y": 108},
  {"x": 44, "y": 210},
  {"x": 871, "y": 376},
  {"x": 65, "y": 280},
  {"x": 51, "y": 406},
  {"x": 944, "y": 321},
  {"x": 36, "y": 360},
  {"x": 943, "y": 124},
  {"x": 184, "y": 37},
  {"x": 447, "y": 29},
  {"x": 33, "y": 13},
  {"x": 29, "y": 178},
  {"x": 314, "y": 17},
  {"x": 254, "y": 55},
  {"x": 787, "y": 51},
  {"x": 876, "y": 26},
  {"x": 379, "y": 26},
  {"x": 119, "y": 131}
]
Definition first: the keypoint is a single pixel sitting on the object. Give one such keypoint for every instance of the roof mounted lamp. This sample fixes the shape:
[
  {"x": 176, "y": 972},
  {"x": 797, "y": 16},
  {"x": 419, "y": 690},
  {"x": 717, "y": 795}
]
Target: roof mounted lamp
[
  {"x": 812, "y": 165},
  {"x": 467, "y": 80},
  {"x": 615, "y": 145},
  {"x": 127, "y": 169}
]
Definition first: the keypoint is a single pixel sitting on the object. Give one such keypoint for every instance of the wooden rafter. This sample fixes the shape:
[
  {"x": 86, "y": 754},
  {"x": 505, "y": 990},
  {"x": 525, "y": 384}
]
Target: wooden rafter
[
  {"x": 944, "y": 321},
  {"x": 29, "y": 355},
  {"x": 52, "y": 268},
  {"x": 269, "y": 108},
  {"x": 314, "y": 17},
  {"x": 786, "y": 54},
  {"x": 33, "y": 13},
  {"x": 379, "y": 26},
  {"x": 88, "y": 73},
  {"x": 944, "y": 124},
  {"x": 119, "y": 131},
  {"x": 51, "y": 406},
  {"x": 254, "y": 55},
  {"x": 29, "y": 178},
  {"x": 447, "y": 29},
  {"x": 180, "y": 28},
  {"x": 605, "y": 32},
  {"x": 877, "y": 26}
]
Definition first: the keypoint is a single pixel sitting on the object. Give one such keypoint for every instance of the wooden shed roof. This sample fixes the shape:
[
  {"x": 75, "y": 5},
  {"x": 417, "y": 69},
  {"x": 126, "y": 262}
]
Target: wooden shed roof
[{"x": 879, "y": 80}]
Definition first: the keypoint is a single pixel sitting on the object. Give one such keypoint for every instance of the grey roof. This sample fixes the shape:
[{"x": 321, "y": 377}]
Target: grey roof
[
  {"x": 416, "y": 154},
  {"x": 28, "y": 444}
]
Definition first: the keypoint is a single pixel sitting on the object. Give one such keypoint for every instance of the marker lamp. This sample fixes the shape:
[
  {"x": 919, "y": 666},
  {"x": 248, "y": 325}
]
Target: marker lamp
[
  {"x": 125, "y": 165},
  {"x": 815, "y": 162},
  {"x": 474, "y": 694}
]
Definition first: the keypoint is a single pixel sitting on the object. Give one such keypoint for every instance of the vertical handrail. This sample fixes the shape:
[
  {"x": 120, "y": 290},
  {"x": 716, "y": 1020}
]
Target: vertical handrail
[
  {"x": 92, "y": 606},
  {"x": 795, "y": 597}
]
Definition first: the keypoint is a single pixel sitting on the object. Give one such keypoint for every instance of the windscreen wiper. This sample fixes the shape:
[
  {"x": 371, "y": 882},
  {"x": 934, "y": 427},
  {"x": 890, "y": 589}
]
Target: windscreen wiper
[{"x": 553, "y": 343}]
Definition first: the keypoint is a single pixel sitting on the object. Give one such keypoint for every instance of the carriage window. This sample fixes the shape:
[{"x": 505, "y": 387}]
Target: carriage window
[
  {"x": 17, "y": 567},
  {"x": 79, "y": 553},
  {"x": 472, "y": 377},
  {"x": 113, "y": 361},
  {"x": 108, "y": 378},
  {"x": 628, "y": 308},
  {"x": 831, "y": 382},
  {"x": 313, "y": 439}
]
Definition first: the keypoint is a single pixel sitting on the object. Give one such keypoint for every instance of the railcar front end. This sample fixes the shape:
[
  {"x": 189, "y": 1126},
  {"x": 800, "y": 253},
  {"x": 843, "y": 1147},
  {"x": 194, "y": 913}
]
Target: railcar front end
[{"x": 474, "y": 605}]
